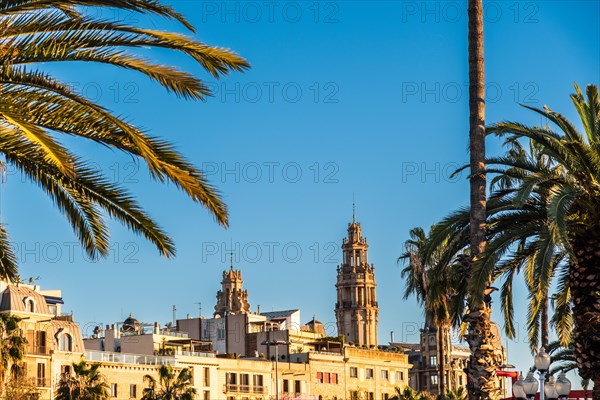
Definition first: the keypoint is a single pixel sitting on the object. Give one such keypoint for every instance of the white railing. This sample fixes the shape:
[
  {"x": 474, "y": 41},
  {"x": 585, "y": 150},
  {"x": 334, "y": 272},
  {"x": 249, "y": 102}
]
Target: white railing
[
  {"x": 196, "y": 354},
  {"x": 105, "y": 356}
]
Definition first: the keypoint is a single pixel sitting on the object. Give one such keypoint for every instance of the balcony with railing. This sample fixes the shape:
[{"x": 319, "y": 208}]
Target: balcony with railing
[
  {"x": 38, "y": 382},
  {"x": 233, "y": 388},
  {"x": 64, "y": 317},
  {"x": 38, "y": 350},
  {"x": 195, "y": 354},
  {"x": 124, "y": 358}
]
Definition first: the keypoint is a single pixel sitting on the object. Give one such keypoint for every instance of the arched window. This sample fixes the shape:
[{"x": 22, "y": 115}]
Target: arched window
[
  {"x": 29, "y": 304},
  {"x": 65, "y": 342}
]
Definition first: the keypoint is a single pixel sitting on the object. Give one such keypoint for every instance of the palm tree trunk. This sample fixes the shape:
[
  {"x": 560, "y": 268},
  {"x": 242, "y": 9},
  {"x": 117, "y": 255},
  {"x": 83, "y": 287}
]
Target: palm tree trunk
[
  {"x": 484, "y": 359},
  {"x": 544, "y": 323},
  {"x": 442, "y": 360},
  {"x": 584, "y": 281}
]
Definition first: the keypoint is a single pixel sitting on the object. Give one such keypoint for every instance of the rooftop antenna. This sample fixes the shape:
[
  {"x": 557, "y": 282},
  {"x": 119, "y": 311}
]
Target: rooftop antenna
[
  {"x": 353, "y": 209},
  {"x": 174, "y": 315},
  {"x": 231, "y": 252},
  {"x": 199, "y": 309}
]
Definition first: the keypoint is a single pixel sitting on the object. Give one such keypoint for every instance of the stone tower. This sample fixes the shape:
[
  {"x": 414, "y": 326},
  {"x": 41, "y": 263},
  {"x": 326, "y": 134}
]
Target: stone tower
[
  {"x": 356, "y": 309},
  {"x": 232, "y": 299}
]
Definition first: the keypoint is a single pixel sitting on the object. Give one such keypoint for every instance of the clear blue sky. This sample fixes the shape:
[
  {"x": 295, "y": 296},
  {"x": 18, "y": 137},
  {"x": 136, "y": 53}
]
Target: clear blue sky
[{"x": 344, "y": 98}]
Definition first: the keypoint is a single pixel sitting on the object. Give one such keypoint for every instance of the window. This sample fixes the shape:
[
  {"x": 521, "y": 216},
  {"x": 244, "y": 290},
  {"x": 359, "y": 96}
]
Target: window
[
  {"x": 371, "y": 396},
  {"x": 221, "y": 333},
  {"x": 385, "y": 396},
  {"x": 319, "y": 377},
  {"x": 257, "y": 380},
  {"x": 231, "y": 378},
  {"x": 286, "y": 386},
  {"x": 53, "y": 310},
  {"x": 297, "y": 387},
  {"x": 433, "y": 361},
  {"x": 113, "y": 390},
  {"x": 191, "y": 372},
  {"x": 41, "y": 342},
  {"x": 334, "y": 379},
  {"x": 206, "y": 376},
  {"x": 29, "y": 305},
  {"x": 385, "y": 375},
  {"x": 206, "y": 395},
  {"x": 353, "y": 372},
  {"x": 326, "y": 377},
  {"x": 399, "y": 376},
  {"x": 434, "y": 379},
  {"x": 369, "y": 373},
  {"x": 41, "y": 375},
  {"x": 244, "y": 379},
  {"x": 132, "y": 391},
  {"x": 65, "y": 342},
  {"x": 66, "y": 370}
]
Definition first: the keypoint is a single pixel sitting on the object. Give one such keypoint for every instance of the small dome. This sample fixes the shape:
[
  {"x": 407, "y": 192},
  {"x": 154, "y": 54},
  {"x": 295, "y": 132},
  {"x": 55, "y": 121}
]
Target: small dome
[{"x": 130, "y": 324}]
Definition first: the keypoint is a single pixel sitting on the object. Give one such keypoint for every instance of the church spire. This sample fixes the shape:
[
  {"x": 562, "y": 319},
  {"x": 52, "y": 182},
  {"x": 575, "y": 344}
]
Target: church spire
[
  {"x": 356, "y": 309},
  {"x": 232, "y": 298}
]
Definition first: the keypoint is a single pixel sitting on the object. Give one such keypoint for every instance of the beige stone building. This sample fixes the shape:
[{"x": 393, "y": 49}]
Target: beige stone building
[
  {"x": 228, "y": 353},
  {"x": 53, "y": 340}
]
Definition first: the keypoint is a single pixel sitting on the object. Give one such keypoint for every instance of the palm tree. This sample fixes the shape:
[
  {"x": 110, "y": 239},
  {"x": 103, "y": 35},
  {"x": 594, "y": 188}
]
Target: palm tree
[
  {"x": 86, "y": 384},
  {"x": 19, "y": 388},
  {"x": 170, "y": 385},
  {"x": 429, "y": 279},
  {"x": 36, "y": 110},
  {"x": 573, "y": 209},
  {"x": 12, "y": 346},
  {"x": 408, "y": 393},
  {"x": 519, "y": 242},
  {"x": 563, "y": 359},
  {"x": 457, "y": 394},
  {"x": 484, "y": 360}
]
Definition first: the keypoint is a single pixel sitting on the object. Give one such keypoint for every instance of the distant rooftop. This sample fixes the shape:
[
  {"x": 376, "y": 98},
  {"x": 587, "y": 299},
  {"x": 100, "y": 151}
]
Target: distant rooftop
[
  {"x": 405, "y": 345},
  {"x": 278, "y": 314}
]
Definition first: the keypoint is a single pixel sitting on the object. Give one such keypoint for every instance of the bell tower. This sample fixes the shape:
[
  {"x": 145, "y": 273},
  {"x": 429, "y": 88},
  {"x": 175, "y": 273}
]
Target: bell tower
[
  {"x": 232, "y": 299},
  {"x": 356, "y": 310}
]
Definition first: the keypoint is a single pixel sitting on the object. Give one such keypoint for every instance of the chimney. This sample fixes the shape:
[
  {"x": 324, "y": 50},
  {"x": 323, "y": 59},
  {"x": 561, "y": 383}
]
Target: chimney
[{"x": 392, "y": 337}]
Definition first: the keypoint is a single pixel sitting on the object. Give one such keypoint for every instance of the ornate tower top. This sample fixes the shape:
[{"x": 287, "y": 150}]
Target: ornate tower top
[
  {"x": 356, "y": 308},
  {"x": 232, "y": 299}
]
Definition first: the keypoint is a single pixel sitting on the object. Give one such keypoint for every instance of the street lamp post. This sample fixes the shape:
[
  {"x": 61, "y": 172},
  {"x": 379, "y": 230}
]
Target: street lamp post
[
  {"x": 518, "y": 389},
  {"x": 528, "y": 387},
  {"x": 276, "y": 343},
  {"x": 541, "y": 361},
  {"x": 550, "y": 389},
  {"x": 563, "y": 386}
]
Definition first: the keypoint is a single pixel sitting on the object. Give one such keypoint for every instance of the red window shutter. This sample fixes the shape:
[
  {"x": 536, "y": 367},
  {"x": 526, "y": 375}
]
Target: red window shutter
[
  {"x": 319, "y": 375},
  {"x": 326, "y": 378},
  {"x": 334, "y": 378}
]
